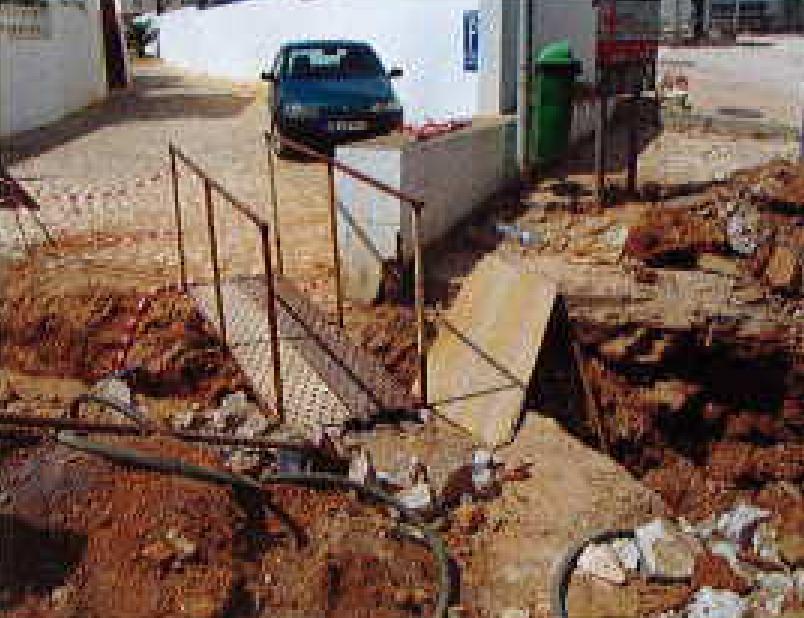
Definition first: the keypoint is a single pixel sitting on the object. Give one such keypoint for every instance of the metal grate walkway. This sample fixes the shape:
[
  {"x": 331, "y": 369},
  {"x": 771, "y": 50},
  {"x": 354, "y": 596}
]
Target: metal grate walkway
[{"x": 327, "y": 379}]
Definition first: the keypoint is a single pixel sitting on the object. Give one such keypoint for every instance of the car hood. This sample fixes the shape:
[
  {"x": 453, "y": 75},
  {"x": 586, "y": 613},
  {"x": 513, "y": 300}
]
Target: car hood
[{"x": 351, "y": 93}]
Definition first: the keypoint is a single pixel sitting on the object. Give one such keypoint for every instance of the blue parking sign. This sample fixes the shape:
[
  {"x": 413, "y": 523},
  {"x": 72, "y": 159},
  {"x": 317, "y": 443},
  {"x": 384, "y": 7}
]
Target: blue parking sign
[{"x": 471, "y": 41}]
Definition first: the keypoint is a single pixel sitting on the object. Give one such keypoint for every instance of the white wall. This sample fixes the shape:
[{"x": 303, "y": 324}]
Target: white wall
[
  {"x": 41, "y": 80},
  {"x": 424, "y": 37},
  {"x": 453, "y": 175}
]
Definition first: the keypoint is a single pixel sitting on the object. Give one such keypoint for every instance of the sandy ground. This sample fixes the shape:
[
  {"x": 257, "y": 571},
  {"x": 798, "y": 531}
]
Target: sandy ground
[{"x": 764, "y": 74}]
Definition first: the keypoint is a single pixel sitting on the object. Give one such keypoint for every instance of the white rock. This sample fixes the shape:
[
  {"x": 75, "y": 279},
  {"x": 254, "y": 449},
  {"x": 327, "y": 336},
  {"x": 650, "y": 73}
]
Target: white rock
[
  {"x": 417, "y": 498},
  {"x": 711, "y": 603},
  {"x": 254, "y": 425},
  {"x": 628, "y": 553},
  {"x": 727, "y": 550},
  {"x": 667, "y": 552},
  {"x": 601, "y": 561},
  {"x": 114, "y": 389},
  {"x": 740, "y": 523},
  {"x": 773, "y": 588},
  {"x": 183, "y": 420},
  {"x": 798, "y": 579},
  {"x": 361, "y": 468}
]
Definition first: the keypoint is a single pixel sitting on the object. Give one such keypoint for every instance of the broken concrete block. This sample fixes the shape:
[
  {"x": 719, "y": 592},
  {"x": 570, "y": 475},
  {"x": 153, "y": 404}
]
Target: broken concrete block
[
  {"x": 361, "y": 468},
  {"x": 183, "y": 420},
  {"x": 602, "y": 562},
  {"x": 727, "y": 550},
  {"x": 772, "y": 591},
  {"x": 243, "y": 462},
  {"x": 255, "y": 425},
  {"x": 667, "y": 552},
  {"x": 740, "y": 523},
  {"x": 114, "y": 389},
  {"x": 417, "y": 498},
  {"x": 783, "y": 272},
  {"x": 711, "y": 603},
  {"x": 482, "y": 471},
  {"x": 628, "y": 553},
  {"x": 765, "y": 543},
  {"x": 742, "y": 231}
]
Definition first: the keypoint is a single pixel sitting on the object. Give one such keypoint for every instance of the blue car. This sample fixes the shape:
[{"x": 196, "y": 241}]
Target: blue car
[{"x": 332, "y": 91}]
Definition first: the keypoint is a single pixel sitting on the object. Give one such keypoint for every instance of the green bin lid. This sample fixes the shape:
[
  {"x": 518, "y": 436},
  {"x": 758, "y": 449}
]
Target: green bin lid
[{"x": 557, "y": 54}]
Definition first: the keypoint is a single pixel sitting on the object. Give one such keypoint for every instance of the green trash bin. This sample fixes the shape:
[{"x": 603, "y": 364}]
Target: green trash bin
[{"x": 551, "y": 109}]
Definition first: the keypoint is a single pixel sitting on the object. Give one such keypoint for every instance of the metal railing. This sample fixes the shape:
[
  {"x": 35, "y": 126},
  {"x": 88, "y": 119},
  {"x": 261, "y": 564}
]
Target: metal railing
[
  {"x": 272, "y": 139},
  {"x": 211, "y": 187}
]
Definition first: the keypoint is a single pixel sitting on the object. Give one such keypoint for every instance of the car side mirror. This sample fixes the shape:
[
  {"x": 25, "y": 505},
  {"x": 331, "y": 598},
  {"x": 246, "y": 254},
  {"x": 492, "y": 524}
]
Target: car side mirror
[
  {"x": 395, "y": 73},
  {"x": 268, "y": 76}
]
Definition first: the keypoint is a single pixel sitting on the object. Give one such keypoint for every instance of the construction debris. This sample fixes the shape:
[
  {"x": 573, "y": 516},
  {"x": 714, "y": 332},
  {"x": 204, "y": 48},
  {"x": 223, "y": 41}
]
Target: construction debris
[{"x": 668, "y": 553}]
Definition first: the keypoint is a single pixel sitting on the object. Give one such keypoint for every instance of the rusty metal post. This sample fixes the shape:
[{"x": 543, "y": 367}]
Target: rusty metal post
[
  {"x": 213, "y": 249},
  {"x": 601, "y": 135},
  {"x": 419, "y": 284},
  {"x": 280, "y": 266},
  {"x": 272, "y": 320},
  {"x": 179, "y": 226},
  {"x": 633, "y": 141},
  {"x": 336, "y": 254}
]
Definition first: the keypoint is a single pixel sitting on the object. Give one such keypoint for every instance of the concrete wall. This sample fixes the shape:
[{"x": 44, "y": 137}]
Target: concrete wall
[
  {"x": 453, "y": 175},
  {"x": 424, "y": 37},
  {"x": 499, "y": 56},
  {"x": 43, "y": 79}
]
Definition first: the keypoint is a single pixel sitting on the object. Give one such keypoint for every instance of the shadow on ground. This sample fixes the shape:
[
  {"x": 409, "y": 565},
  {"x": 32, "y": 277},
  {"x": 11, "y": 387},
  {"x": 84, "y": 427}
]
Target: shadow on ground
[
  {"x": 153, "y": 97},
  {"x": 34, "y": 560}
]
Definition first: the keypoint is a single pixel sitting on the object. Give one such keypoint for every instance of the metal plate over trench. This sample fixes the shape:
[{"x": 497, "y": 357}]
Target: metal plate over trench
[
  {"x": 486, "y": 350},
  {"x": 327, "y": 379}
]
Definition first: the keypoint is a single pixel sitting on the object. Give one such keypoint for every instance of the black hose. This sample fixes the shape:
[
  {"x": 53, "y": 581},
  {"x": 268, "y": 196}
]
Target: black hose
[
  {"x": 563, "y": 571},
  {"x": 316, "y": 479}
]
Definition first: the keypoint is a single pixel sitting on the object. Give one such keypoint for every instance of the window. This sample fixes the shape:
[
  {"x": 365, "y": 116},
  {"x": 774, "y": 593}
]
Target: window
[
  {"x": 25, "y": 19},
  {"x": 330, "y": 62}
]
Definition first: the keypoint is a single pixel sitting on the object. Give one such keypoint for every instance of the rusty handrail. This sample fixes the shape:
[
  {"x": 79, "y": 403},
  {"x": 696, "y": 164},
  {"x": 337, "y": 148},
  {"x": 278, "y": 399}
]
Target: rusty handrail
[
  {"x": 416, "y": 226},
  {"x": 235, "y": 201},
  {"x": 211, "y": 184},
  {"x": 349, "y": 171}
]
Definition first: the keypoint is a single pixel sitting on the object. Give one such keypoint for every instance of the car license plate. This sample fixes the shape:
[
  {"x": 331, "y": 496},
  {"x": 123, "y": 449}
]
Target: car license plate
[{"x": 343, "y": 126}]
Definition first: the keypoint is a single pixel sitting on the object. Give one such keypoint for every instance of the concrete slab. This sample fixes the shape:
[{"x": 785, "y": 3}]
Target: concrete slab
[{"x": 486, "y": 349}]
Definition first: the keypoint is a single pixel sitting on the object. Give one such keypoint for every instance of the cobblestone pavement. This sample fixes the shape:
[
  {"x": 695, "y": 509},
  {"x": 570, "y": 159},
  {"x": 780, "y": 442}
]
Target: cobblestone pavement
[{"x": 106, "y": 169}]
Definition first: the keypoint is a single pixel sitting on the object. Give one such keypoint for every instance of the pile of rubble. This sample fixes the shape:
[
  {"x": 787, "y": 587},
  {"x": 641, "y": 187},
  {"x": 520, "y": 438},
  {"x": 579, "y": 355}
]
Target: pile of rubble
[
  {"x": 742, "y": 562},
  {"x": 751, "y": 227}
]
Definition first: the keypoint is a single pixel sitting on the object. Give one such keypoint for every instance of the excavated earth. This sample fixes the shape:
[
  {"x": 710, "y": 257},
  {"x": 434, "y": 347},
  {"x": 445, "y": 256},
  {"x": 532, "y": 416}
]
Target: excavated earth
[
  {"x": 714, "y": 413},
  {"x": 82, "y": 537}
]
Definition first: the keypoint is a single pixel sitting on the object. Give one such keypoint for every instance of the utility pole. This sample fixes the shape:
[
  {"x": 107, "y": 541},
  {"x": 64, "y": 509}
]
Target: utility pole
[{"x": 160, "y": 8}]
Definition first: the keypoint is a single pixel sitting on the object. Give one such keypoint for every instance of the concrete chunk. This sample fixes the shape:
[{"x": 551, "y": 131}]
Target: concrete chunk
[{"x": 486, "y": 350}]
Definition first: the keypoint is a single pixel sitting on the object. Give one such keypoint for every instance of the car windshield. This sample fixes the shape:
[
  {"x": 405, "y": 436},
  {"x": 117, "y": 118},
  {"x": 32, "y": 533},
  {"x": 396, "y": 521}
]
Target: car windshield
[{"x": 331, "y": 62}]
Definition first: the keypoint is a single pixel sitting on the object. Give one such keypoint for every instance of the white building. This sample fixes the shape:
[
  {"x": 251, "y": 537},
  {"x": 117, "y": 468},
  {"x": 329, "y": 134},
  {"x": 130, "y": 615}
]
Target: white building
[
  {"x": 57, "y": 57},
  {"x": 449, "y": 72}
]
